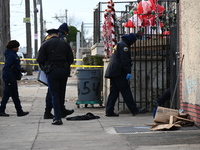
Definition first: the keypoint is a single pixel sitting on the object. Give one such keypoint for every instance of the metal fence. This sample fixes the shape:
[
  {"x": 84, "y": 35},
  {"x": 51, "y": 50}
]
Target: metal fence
[{"x": 153, "y": 55}]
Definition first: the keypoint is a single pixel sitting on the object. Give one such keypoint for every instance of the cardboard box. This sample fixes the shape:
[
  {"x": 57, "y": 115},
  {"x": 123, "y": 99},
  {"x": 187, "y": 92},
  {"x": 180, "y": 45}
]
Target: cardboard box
[
  {"x": 163, "y": 114},
  {"x": 183, "y": 121},
  {"x": 174, "y": 122}
]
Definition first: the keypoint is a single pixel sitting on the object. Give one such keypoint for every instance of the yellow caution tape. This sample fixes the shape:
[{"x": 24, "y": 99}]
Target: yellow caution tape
[
  {"x": 85, "y": 66},
  {"x": 88, "y": 66},
  {"x": 78, "y": 59},
  {"x": 27, "y": 59},
  {"x": 35, "y": 59}
]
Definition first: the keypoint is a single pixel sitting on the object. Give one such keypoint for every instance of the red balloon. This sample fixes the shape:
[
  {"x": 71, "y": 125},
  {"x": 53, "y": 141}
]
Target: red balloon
[{"x": 129, "y": 24}]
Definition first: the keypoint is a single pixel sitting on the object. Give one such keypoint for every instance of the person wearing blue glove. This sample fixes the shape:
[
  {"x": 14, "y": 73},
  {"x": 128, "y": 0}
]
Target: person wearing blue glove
[
  {"x": 128, "y": 76},
  {"x": 119, "y": 73}
]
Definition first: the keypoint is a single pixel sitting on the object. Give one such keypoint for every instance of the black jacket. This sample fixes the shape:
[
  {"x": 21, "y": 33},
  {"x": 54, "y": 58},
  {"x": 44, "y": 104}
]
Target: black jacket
[
  {"x": 12, "y": 67},
  {"x": 120, "y": 61},
  {"x": 55, "y": 51}
]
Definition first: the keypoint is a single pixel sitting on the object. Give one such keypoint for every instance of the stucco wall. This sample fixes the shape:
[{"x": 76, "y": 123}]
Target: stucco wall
[
  {"x": 190, "y": 28},
  {"x": 190, "y": 47}
]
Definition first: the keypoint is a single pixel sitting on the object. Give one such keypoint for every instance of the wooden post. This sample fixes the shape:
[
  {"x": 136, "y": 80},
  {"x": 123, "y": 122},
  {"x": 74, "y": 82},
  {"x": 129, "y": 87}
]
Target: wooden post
[
  {"x": 28, "y": 35},
  {"x": 5, "y": 34},
  {"x": 35, "y": 31}
]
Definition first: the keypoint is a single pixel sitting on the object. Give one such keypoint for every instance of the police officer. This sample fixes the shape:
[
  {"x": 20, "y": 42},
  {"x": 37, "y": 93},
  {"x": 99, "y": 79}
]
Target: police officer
[
  {"x": 63, "y": 31},
  {"x": 119, "y": 72},
  {"x": 59, "y": 54}
]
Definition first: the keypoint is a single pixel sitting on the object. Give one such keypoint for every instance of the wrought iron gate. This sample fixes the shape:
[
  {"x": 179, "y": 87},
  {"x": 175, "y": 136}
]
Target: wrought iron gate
[{"x": 153, "y": 55}]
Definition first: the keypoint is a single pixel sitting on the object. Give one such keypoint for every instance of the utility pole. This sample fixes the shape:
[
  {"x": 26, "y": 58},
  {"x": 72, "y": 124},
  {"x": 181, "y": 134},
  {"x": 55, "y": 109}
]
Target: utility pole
[
  {"x": 28, "y": 35},
  {"x": 35, "y": 31},
  {"x": 60, "y": 18},
  {"x": 4, "y": 33},
  {"x": 82, "y": 34},
  {"x": 41, "y": 22},
  {"x": 66, "y": 16}
]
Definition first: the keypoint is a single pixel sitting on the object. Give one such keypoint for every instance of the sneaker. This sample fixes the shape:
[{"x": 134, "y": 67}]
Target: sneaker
[
  {"x": 57, "y": 122},
  {"x": 112, "y": 115},
  {"x": 48, "y": 115},
  {"x": 23, "y": 113},
  {"x": 3, "y": 114},
  {"x": 140, "y": 111}
]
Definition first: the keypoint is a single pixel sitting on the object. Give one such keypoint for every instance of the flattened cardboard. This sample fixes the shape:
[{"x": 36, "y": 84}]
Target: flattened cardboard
[
  {"x": 163, "y": 114},
  {"x": 164, "y": 126},
  {"x": 183, "y": 121}
]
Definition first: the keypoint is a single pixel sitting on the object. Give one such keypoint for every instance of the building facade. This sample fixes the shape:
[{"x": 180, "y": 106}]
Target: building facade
[{"x": 189, "y": 47}]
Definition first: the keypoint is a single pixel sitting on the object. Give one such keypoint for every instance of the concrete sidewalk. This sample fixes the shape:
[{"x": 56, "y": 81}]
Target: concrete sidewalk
[{"x": 125, "y": 132}]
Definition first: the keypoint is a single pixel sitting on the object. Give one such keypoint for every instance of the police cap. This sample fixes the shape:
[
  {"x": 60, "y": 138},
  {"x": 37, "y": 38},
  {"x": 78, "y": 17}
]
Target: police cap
[{"x": 52, "y": 31}]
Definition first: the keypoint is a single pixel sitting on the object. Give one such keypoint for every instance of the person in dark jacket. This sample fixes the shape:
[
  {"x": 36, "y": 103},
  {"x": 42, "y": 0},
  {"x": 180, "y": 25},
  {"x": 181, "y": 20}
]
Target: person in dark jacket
[
  {"x": 62, "y": 31},
  {"x": 11, "y": 73},
  {"x": 58, "y": 54},
  {"x": 119, "y": 72}
]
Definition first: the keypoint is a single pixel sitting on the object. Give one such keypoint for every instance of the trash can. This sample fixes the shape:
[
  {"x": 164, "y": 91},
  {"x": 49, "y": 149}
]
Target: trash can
[{"x": 89, "y": 86}]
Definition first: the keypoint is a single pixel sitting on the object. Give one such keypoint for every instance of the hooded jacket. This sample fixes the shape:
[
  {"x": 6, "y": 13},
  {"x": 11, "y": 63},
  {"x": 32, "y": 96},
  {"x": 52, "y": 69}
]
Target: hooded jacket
[
  {"x": 12, "y": 67},
  {"x": 62, "y": 29},
  {"x": 120, "y": 61}
]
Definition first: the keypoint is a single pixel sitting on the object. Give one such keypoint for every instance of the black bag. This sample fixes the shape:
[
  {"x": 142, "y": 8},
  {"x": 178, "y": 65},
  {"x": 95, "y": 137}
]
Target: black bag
[{"x": 48, "y": 67}]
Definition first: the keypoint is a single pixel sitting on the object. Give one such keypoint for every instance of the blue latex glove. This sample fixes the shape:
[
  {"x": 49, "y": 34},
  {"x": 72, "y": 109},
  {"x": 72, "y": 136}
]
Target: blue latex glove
[{"x": 128, "y": 76}]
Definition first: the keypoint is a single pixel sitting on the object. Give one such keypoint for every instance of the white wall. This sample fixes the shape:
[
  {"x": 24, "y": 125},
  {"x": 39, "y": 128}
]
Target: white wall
[{"x": 190, "y": 31}]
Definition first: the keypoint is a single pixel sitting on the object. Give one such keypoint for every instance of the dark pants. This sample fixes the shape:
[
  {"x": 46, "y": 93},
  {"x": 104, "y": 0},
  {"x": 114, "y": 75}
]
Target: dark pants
[
  {"x": 120, "y": 84},
  {"x": 49, "y": 105},
  {"x": 57, "y": 80},
  {"x": 163, "y": 98},
  {"x": 11, "y": 91}
]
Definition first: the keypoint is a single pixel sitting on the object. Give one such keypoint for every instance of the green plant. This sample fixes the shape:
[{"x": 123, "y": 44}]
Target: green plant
[{"x": 93, "y": 60}]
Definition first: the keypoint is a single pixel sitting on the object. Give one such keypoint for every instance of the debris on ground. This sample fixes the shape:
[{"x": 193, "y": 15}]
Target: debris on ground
[{"x": 167, "y": 118}]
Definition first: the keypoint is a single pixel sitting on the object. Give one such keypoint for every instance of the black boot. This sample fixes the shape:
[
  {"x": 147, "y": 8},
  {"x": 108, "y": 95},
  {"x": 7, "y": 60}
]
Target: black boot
[
  {"x": 3, "y": 114},
  {"x": 57, "y": 122},
  {"x": 67, "y": 112},
  {"x": 48, "y": 114},
  {"x": 23, "y": 113}
]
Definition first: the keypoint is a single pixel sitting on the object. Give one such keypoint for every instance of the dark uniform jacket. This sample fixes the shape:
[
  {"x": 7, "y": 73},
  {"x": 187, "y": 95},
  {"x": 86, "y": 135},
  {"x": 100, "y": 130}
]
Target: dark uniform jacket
[
  {"x": 57, "y": 52},
  {"x": 12, "y": 67},
  {"x": 120, "y": 61}
]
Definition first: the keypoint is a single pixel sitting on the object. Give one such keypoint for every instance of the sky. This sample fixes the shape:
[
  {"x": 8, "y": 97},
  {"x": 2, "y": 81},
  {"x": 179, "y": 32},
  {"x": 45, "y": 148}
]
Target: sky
[{"x": 77, "y": 10}]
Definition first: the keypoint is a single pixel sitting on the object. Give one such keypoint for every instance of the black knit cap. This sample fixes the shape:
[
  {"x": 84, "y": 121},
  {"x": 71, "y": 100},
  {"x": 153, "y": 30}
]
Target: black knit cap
[
  {"x": 64, "y": 27},
  {"x": 12, "y": 44}
]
